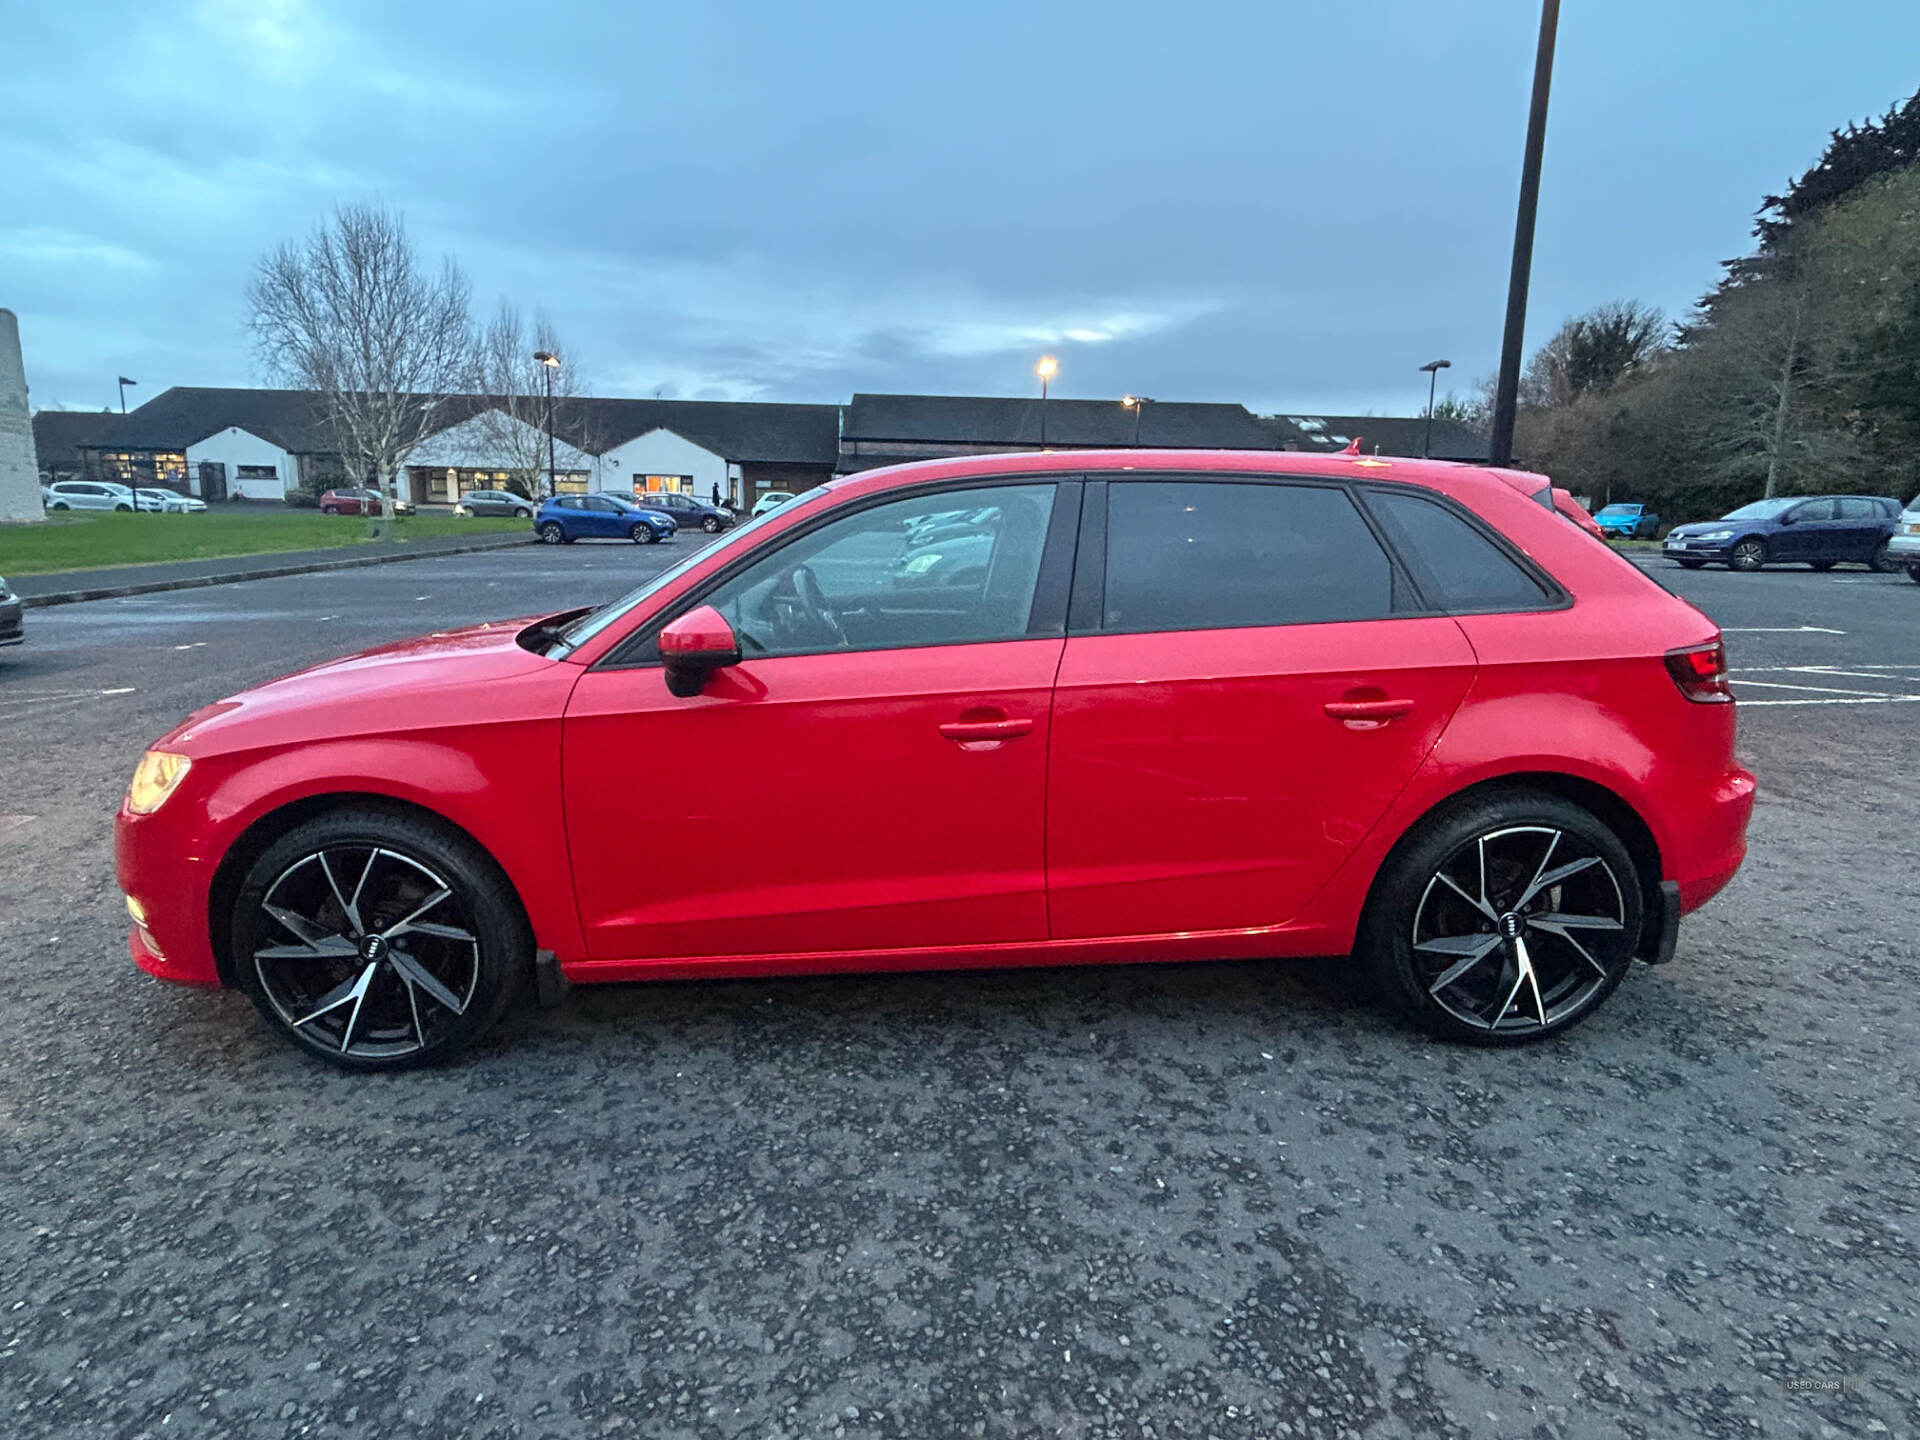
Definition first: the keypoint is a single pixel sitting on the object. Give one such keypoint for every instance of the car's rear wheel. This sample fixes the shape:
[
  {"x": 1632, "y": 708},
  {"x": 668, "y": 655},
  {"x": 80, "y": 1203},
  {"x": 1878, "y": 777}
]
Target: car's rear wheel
[
  {"x": 711, "y": 524},
  {"x": 1692, "y": 564},
  {"x": 1504, "y": 919},
  {"x": 1883, "y": 562},
  {"x": 551, "y": 533},
  {"x": 378, "y": 941},
  {"x": 1749, "y": 555},
  {"x": 59, "y": 505},
  {"x": 642, "y": 534}
]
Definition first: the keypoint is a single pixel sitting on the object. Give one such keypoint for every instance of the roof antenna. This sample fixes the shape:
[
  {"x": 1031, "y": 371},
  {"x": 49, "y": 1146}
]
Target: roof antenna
[{"x": 1353, "y": 447}]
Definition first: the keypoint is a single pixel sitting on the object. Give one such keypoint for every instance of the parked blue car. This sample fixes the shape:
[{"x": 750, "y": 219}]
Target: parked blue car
[
  {"x": 1627, "y": 522},
  {"x": 1818, "y": 530},
  {"x": 567, "y": 518}
]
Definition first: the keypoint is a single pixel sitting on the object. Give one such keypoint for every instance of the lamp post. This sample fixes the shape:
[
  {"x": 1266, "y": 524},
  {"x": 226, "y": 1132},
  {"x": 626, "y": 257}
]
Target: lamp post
[
  {"x": 1046, "y": 370},
  {"x": 1138, "y": 404},
  {"x": 1506, "y": 395},
  {"x": 549, "y": 363},
  {"x": 124, "y": 382},
  {"x": 1433, "y": 369}
]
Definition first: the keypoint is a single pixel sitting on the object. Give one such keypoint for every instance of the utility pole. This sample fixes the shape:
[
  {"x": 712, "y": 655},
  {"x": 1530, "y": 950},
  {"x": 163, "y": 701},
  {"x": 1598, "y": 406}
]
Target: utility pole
[{"x": 1506, "y": 395}]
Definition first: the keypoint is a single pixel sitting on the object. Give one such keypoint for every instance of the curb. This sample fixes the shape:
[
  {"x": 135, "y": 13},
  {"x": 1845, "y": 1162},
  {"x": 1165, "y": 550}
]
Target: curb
[{"x": 268, "y": 572}]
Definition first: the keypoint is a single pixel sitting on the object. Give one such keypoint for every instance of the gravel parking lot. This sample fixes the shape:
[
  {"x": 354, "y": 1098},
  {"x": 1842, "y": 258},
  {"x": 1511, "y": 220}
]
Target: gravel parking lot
[{"x": 1212, "y": 1200}]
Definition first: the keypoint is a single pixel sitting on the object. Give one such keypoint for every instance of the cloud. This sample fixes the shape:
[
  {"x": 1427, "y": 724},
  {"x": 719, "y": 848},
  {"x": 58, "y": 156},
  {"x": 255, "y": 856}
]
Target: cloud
[{"x": 43, "y": 245}]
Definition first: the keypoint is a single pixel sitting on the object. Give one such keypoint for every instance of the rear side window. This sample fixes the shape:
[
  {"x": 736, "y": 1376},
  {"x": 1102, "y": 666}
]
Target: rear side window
[
  {"x": 1215, "y": 555},
  {"x": 1850, "y": 508},
  {"x": 1457, "y": 566}
]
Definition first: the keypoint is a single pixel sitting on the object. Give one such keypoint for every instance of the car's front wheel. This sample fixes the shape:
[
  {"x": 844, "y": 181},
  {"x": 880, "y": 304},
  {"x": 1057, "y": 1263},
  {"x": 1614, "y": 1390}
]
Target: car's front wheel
[
  {"x": 1503, "y": 919},
  {"x": 551, "y": 533},
  {"x": 329, "y": 509},
  {"x": 642, "y": 534},
  {"x": 523, "y": 513},
  {"x": 378, "y": 940},
  {"x": 1749, "y": 555},
  {"x": 711, "y": 524}
]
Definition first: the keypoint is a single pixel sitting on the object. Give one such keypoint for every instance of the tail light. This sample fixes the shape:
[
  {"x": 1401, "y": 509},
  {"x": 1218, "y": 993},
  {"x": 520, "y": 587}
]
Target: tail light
[{"x": 1701, "y": 672}]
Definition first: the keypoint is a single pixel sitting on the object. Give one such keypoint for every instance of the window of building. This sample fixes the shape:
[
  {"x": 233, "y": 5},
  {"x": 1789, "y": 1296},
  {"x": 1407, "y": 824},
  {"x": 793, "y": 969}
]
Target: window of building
[
  {"x": 957, "y": 568},
  {"x": 257, "y": 472},
  {"x": 659, "y": 484},
  {"x": 1211, "y": 555},
  {"x": 1458, "y": 567},
  {"x": 570, "y": 482}
]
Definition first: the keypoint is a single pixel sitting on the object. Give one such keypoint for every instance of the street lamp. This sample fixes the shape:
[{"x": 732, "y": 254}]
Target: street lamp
[
  {"x": 1433, "y": 369},
  {"x": 549, "y": 363},
  {"x": 1138, "y": 404},
  {"x": 1046, "y": 370}
]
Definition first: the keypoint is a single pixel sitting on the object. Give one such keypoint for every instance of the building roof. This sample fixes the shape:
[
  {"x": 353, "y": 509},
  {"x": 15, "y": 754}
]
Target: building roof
[
  {"x": 994, "y": 420},
  {"x": 59, "y": 434},
  {"x": 1388, "y": 434},
  {"x": 739, "y": 431},
  {"x": 184, "y": 415}
]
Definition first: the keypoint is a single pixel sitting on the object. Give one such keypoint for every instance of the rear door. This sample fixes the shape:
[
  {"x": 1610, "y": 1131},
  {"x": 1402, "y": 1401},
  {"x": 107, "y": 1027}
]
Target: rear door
[
  {"x": 1249, "y": 681},
  {"x": 1860, "y": 525}
]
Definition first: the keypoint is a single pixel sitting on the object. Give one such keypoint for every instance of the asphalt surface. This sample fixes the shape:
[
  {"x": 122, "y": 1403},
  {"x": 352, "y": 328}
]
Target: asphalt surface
[{"x": 1206, "y": 1200}]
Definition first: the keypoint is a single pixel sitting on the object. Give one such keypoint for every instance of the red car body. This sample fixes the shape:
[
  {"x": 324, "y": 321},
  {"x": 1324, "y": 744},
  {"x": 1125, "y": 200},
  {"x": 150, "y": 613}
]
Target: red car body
[
  {"x": 1074, "y": 798},
  {"x": 357, "y": 502}
]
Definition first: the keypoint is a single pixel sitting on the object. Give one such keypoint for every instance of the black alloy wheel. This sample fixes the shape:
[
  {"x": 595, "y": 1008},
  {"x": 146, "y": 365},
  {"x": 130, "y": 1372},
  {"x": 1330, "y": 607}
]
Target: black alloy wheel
[
  {"x": 1505, "y": 920},
  {"x": 378, "y": 941},
  {"x": 1749, "y": 555}
]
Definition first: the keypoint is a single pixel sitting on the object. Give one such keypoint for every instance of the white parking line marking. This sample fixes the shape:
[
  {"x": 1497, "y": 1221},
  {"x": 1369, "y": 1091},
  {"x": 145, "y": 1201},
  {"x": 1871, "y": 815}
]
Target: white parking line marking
[
  {"x": 123, "y": 690},
  {"x": 197, "y": 644}
]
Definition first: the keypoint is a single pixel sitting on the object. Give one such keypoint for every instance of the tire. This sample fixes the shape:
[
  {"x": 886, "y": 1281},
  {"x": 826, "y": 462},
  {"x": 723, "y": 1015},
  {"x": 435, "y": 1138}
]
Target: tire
[
  {"x": 1420, "y": 928},
  {"x": 1691, "y": 564},
  {"x": 1913, "y": 573},
  {"x": 1747, "y": 555},
  {"x": 1883, "y": 562},
  {"x": 123, "y": 509},
  {"x": 711, "y": 524},
  {"x": 523, "y": 514},
  {"x": 642, "y": 534},
  {"x": 322, "y": 969},
  {"x": 329, "y": 509},
  {"x": 59, "y": 505},
  {"x": 1822, "y": 566},
  {"x": 551, "y": 533}
]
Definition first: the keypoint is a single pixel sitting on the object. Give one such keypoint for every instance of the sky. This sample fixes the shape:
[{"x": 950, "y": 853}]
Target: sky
[{"x": 1292, "y": 204}]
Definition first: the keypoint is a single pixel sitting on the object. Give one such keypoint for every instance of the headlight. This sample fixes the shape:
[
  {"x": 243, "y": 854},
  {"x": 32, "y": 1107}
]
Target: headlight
[
  {"x": 158, "y": 775},
  {"x": 1713, "y": 535}
]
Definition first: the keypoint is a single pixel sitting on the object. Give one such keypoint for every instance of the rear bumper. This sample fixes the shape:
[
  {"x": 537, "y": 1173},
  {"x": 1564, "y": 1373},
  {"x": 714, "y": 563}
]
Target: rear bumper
[
  {"x": 13, "y": 628},
  {"x": 1710, "y": 843},
  {"x": 1904, "y": 547}
]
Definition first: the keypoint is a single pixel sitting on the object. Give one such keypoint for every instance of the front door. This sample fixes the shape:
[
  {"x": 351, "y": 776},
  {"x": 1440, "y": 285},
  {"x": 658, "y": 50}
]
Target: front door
[
  {"x": 1256, "y": 698},
  {"x": 1809, "y": 536},
  {"x": 871, "y": 776}
]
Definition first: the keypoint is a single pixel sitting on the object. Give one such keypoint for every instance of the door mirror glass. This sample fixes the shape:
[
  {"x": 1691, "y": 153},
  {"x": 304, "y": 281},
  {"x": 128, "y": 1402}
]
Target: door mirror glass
[{"x": 694, "y": 646}]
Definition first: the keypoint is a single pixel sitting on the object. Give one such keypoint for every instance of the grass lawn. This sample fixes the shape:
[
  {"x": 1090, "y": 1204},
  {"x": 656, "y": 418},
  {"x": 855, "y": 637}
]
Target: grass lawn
[{"x": 90, "y": 541}]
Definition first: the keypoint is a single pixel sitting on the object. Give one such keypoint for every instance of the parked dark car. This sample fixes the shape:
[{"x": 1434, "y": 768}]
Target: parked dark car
[
  {"x": 1627, "y": 522},
  {"x": 1817, "y": 530},
  {"x": 355, "y": 500},
  {"x": 12, "y": 627},
  {"x": 691, "y": 514},
  {"x": 567, "y": 518},
  {"x": 495, "y": 502}
]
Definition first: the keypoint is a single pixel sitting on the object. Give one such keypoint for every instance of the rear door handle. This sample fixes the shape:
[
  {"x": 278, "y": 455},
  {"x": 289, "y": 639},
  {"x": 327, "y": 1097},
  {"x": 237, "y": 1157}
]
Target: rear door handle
[
  {"x": 973, "y": 731},
  {"x": 1376, "y": 710}
]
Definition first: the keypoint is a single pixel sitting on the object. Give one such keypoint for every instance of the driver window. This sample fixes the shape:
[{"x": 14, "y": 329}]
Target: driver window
[{"x": 956, "y": 568}]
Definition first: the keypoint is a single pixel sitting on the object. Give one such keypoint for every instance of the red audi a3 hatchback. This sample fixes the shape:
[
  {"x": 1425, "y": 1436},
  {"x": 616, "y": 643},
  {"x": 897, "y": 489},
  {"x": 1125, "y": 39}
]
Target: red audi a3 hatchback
[{"x": 1007, "y": 710}]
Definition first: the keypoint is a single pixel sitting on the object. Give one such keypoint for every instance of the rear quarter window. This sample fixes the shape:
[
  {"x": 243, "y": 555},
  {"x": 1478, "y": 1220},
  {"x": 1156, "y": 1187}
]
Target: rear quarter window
[{"x": 1454, "y": 564}]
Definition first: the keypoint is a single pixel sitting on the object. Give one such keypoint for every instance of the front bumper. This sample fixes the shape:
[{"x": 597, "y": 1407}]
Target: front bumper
[
  {"x": 13, "y": 630},
  {"x": 1697, "y": 549},
  {"x": 164, "y": 864}
]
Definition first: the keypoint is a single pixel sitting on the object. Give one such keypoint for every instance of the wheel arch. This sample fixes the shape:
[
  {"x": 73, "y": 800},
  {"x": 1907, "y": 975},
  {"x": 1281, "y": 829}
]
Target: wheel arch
[
  {"x": 265, "y": 829},
  {"x": 1607, "y": 805}
]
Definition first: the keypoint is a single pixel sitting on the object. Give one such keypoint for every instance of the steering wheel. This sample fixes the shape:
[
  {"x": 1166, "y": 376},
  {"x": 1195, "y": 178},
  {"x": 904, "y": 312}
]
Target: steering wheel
[{"x": 806, "y": 589}]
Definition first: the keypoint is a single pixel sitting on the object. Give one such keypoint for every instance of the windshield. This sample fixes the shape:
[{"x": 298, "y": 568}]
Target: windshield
[
  {"x": 576, "y": 633},
  {"x": 1762, "y": 509},
  {"x": 1620, "y": 510}
]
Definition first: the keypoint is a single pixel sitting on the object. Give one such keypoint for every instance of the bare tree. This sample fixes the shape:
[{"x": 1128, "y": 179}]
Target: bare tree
[
  {"x": 1594, "y": 352},
  {"x": 513, "y": 386},
  {"x": 351, "y": 315}
]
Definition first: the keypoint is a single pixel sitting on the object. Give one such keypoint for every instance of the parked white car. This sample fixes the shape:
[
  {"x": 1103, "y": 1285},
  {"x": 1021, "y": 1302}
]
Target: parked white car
[
  {"x": 171, "y": 502},
  {"x": 1903, "y": 548},
  {"x": 90, "y": 495},
  {"x": 772, "y": 500}
]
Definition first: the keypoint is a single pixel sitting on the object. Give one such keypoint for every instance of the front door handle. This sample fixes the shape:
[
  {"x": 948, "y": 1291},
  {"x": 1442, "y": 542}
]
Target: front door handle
[
  {"x": 973, "y": 732},
  {"x": 1376, "y": 711}
]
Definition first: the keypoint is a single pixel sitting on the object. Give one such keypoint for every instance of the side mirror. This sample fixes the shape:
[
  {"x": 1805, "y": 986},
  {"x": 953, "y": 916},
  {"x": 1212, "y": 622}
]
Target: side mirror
[
  {"x": 1789, "y": 518},
  {"x": 694, "y": 646}
]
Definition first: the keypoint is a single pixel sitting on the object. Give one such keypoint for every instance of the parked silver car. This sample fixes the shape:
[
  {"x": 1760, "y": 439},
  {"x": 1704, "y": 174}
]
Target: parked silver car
[
  {"x": 1903, "y": 546},
  {"x": 89, "y": 495},
  {"x": 495, "y": 502},
  {"x": 12, "y": 630},
  {"x": 170, "y": 502}
]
